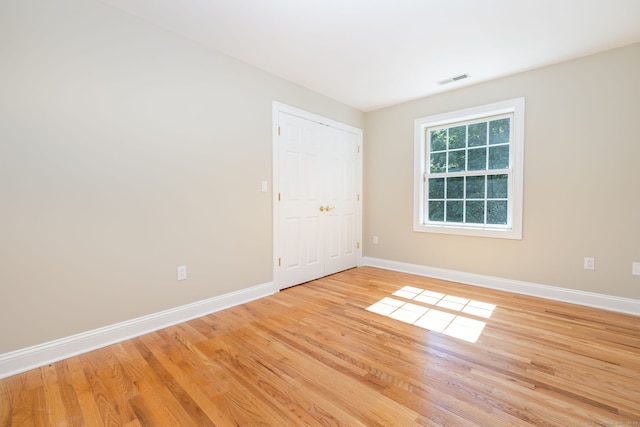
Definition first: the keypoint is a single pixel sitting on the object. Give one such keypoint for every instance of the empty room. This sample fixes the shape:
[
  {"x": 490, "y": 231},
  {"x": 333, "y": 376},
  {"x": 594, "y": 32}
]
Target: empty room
[{"x": 322, "y": 213}]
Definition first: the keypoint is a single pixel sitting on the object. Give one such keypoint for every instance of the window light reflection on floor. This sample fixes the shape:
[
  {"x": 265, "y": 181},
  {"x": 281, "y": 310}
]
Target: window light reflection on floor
[{"x": 424, "y": 315}]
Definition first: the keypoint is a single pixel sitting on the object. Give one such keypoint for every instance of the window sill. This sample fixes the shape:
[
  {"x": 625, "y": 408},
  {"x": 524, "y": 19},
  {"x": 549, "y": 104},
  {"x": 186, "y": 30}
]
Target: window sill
[{"x": 506, "y": 233}]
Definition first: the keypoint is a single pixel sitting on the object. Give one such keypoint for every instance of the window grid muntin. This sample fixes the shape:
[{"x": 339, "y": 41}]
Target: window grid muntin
[
  {"x": 454, "y": 125},
  {"x": 464, "y": 199},
  {"x": 466, "y": 173}
]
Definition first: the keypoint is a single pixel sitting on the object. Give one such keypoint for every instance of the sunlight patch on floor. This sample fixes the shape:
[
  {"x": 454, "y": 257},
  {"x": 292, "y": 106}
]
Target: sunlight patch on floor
[{"x": 426, "y": 316}]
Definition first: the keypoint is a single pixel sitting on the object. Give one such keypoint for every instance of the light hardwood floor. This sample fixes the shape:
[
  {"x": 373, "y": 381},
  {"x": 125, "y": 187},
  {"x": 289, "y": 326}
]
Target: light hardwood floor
[{"x": 314, "y": 355}]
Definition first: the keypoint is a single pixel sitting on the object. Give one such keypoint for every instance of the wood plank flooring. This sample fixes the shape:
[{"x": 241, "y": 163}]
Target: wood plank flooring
[{"x": 314, "y": 355}]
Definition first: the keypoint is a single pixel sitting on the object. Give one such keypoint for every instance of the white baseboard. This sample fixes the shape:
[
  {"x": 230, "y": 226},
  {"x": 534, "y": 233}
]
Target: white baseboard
[
  {"x": 590, "y": 299},
  {"x": 42, "y": 354}
]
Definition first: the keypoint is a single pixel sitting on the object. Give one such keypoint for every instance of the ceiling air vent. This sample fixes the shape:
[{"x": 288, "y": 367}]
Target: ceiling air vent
[{"x": 454, "y": 79}]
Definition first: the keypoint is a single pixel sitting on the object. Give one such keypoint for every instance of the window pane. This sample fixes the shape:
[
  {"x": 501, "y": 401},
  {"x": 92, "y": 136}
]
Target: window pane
[
  {"x": 477, "y": 134},
  {"x": 438, "y": 162},
  {"x": 496, "y": 212},
  {"x": 436, "y": 188},
  {"x": 477, "y": 159},
  {"x": 454, "y": 211},
  {"x": 475, "y": 187},
  {"x": 439, "y": 140},
  {"x": 499, "y": 157},
  {"x": 475, "y": 212},
  {"x": 436, "y": 211},
  {"x": 457, "y": 137},
  {"x": 499, "y": 131},
  {"x": 456, "y": 160},
  {"x": 497, "y": 187},
  {"x": 455, "y": 188}
]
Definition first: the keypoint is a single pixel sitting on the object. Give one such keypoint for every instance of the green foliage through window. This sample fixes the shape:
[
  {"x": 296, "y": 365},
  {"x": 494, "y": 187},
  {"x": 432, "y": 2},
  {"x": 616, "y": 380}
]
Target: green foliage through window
[{"x": 465, "y": 184}]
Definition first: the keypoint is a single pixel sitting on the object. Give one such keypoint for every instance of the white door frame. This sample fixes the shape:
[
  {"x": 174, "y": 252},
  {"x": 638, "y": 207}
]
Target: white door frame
[{"x": 278, "y": 108}]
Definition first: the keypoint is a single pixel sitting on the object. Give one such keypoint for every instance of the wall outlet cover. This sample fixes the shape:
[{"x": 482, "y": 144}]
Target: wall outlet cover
[
  {"x": 182, "y": 272},
  {"x": 589, "y": 263}
]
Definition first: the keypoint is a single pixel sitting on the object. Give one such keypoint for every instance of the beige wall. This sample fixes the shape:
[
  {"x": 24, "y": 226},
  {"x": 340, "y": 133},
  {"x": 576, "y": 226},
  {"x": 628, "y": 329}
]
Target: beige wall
[
  {"x": 581, "y": 179},
  {"x": 126, "y": 151}
]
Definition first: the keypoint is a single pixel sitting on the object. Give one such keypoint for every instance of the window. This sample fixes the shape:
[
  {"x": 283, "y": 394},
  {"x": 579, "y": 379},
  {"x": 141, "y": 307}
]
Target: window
[{"x": 468, "y": 171}]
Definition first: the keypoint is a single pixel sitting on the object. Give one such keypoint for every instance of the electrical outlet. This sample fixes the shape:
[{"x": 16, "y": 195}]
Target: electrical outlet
[
  {"x": 589, "y": 263},
  {"x": 182, "y": 272},
  {"x": 635, "y": 268},
  {"x": 375, "y": 240}
]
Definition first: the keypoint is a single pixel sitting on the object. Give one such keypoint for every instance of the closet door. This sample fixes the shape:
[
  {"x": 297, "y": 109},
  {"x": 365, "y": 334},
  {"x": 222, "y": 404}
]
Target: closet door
[{"x": 317, "y": 213}]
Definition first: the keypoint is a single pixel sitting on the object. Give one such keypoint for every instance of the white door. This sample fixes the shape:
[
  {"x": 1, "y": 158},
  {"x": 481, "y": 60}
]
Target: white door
[{"x": 317, "y": 198}]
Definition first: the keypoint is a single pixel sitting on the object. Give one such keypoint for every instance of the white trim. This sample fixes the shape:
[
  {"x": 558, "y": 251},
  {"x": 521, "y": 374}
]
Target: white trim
[
  {"x": 590, "y": 299},
  {"x": 42, "y": 354},
  {"x": 279, "y": 107}
]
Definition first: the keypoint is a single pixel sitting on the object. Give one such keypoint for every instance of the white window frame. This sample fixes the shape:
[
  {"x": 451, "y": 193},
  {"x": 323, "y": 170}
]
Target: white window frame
[{"x": 513, "y": 229}]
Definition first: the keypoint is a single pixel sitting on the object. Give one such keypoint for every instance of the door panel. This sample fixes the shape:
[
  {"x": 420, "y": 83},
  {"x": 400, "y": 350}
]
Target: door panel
[
  {"x": 318, "y": 167},
  {"x": 301, "y": 252},
  {"x": 342, "y": 194},
  {"x": 333, "y": 236}
]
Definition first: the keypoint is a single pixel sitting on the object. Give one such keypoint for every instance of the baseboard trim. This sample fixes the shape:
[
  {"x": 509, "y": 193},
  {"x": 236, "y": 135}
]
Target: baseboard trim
[
  {"x": 607, "y": 302},
  {"x": 42, "y": 354}
]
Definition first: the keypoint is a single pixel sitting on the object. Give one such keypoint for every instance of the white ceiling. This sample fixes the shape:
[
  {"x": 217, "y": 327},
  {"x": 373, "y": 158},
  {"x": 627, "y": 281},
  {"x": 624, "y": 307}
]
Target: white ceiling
[{"x": 375, "y": 53}]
